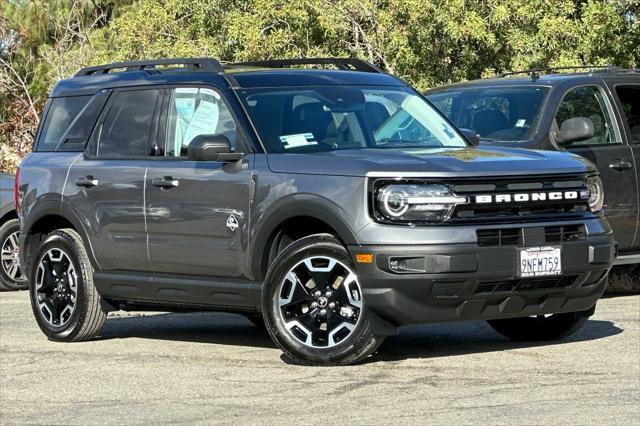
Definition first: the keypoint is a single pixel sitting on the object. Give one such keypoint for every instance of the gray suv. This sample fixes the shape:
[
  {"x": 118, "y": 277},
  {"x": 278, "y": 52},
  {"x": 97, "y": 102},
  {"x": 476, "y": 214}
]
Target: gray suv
[{"x": 335, "y": 205}]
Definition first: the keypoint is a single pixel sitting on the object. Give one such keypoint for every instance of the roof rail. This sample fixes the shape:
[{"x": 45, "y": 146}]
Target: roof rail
[
  {"x": 200, "y": 64},
  {"x": 535, "y": 72},
  {"x": 340, "y": 63}
]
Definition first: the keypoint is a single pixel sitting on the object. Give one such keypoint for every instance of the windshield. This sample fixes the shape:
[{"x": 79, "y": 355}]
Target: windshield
[
  {"x": 495, "y": 114},
  {"x": 328, "y": 118}
]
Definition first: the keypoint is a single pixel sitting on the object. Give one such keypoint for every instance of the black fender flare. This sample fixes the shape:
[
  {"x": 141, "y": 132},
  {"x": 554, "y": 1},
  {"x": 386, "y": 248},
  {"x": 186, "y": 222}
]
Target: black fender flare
[
  {"x": 53, "y": 208},
  {"x": 295, "y": 205},
  {"x": 6, "y": 213}
]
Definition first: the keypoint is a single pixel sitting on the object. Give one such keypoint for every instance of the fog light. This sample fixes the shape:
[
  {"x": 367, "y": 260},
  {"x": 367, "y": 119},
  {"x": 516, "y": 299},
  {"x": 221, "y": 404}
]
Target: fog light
[{"x": 405, "y": 265}]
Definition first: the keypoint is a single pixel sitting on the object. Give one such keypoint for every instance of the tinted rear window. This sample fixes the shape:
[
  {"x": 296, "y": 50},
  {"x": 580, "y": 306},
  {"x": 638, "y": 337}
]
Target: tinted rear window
[
  {"x": 60, "y": 114},
  {"x": 630, "y": 99},
  {"x": 126, "y": 130}
]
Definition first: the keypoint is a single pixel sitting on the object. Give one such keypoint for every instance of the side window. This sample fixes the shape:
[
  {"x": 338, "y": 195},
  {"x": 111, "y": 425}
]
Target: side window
[
  {"x": 76, "y": 136},
  {"x": 196, "y": 111},
  {"x": 129, "y": 124},
  {"x": 588, "y": 102},
  {"x": 61, "y": 112},
  {"x": 630, "y": 99}
]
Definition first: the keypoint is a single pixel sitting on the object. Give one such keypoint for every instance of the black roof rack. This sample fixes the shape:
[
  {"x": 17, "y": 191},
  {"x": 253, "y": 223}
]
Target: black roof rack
[
  {"x": 199, "y": 64},
  {"x": 340, "y": 63},
  {"x": 535, "y": 72}
]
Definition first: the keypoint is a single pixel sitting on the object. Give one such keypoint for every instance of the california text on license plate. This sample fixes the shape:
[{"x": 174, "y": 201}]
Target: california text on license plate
[{"x": 539, "y": 261}]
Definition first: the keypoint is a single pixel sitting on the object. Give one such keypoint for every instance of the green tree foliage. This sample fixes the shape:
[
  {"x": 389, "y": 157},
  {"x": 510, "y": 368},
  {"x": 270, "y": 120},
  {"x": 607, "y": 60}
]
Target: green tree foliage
[{"x": 426, "y": 42}]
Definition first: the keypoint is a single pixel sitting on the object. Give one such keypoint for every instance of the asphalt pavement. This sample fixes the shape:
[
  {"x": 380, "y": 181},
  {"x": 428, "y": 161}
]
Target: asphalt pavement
[{"x": 208, "y": 368}]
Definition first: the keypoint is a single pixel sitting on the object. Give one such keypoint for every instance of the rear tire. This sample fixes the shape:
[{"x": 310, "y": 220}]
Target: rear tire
[
  {"x": 541, "y": 328},
  {"x": 12, "y": 276},
  {"x": 64, "y": 300},
  {"x": 313, "y": 307}
]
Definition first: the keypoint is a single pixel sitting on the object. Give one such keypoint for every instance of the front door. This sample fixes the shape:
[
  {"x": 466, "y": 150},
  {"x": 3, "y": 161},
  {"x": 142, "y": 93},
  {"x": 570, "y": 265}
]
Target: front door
[
  {"x": 197, "y": 211},
  {"x": 610, "y": 153}
]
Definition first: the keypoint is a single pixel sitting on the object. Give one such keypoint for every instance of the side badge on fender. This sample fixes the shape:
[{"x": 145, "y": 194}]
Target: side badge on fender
[{"x": 232, "y": 223}]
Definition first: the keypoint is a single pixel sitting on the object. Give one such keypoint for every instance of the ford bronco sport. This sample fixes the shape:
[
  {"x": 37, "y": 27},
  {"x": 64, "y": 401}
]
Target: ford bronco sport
[
  {"x": 593, "y": 112},
  {"x": 335, "y": 203}
]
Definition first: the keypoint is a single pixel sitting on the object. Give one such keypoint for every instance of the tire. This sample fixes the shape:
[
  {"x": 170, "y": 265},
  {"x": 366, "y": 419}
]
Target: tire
[
  {"x": 64, "y": 300},
  {"x": 313, "y": 307},
  {"x": 11, "y": 275},
  {"x": 541, "y": 328}
]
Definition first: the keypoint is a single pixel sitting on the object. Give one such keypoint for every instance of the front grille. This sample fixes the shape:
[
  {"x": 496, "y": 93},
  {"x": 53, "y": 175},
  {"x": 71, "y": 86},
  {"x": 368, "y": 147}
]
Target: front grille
[
  {"x": 564, "y": 233},
  {"x": 525, "y": 284},
  {"x": 518, "y": 236},
  {"x": 499, "y": 237},
  {"x": 513, "y": 210}
]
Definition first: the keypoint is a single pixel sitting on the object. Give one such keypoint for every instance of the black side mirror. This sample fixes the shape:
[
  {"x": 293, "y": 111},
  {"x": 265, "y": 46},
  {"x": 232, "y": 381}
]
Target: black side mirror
[
  {"x": 212, "y": 148},
  {"x": 574, "y": 130},
  {"x": 471, "y": 136}
]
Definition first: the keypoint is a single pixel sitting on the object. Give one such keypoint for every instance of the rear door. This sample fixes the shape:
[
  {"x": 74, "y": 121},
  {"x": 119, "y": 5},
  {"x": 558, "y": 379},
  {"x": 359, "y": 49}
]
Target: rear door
[
  {"x": 197, "y": 211},
  {"x": 106, "y": 185},
  {"x": 611, "y": 154},
  {"x": 628, "y": 100}
]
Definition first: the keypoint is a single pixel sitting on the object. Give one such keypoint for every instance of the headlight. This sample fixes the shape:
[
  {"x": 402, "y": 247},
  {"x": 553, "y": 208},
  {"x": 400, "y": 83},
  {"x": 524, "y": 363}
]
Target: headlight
[
  {"x": 416, "y": 203},
  {"x": 596, "y": 193}
]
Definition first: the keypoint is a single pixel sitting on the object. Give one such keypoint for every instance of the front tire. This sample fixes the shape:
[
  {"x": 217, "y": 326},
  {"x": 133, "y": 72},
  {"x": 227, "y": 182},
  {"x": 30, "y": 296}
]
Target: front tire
[
  {"x": 313, "y": 305},
  {"x": 11, "y": 275},
  {"x": 64, "y": 300},
  {"x": 541, "y": 327}
]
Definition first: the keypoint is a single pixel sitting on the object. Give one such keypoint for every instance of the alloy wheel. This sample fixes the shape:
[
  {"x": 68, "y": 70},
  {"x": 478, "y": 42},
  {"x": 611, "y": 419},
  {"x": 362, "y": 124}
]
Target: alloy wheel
[
  {"x": 56, "y": 287},
  {"x": 10, "y": 258},
  {"x": 320, "y": 302}
]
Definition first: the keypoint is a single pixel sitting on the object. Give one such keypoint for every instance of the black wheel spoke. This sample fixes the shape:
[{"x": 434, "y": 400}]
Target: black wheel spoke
[
  {"x": 299, "y": 296},
  {"x": 52, "y": 306},
  {"x": 308, "y": 320}
]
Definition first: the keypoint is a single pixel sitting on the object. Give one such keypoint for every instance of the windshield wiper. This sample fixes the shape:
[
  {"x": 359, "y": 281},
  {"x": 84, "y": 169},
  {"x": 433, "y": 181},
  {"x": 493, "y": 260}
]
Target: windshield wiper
[{"x": 402, "y": 143}]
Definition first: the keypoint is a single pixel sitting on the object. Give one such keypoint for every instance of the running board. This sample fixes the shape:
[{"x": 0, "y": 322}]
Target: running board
[
  {"x": 627, "y": 259},
  {"x": 210, "y": 292}
]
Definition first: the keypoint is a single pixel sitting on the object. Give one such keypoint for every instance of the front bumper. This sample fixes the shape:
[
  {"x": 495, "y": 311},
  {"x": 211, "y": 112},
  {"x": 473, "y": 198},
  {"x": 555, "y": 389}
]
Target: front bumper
[{"x": 467, "y": 282}]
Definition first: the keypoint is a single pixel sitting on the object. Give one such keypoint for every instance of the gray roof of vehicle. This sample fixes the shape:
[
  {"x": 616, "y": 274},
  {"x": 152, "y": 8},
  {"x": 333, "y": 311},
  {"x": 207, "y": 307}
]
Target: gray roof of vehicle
[{"x": 547, "y": 80}]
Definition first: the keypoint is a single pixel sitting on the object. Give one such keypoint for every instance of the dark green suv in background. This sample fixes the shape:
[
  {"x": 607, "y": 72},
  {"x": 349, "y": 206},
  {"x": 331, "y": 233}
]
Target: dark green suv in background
[{"x": 594, "y": 113}]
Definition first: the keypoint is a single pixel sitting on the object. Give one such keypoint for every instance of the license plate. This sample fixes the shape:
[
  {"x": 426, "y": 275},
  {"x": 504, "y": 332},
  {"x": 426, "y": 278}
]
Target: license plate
[{"x": 539, "y": 262}]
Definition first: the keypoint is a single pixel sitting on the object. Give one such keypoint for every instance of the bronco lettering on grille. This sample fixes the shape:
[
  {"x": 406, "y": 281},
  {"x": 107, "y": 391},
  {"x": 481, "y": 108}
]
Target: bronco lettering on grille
[{"x": 523, "y": 197}]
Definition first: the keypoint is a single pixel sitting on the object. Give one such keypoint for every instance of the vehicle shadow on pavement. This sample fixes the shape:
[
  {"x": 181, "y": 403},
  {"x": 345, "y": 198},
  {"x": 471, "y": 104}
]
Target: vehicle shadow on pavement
[
  {"x": 198, "y": 327},
  {"x": 440, "y": 340},
  {"x": 419, "y": 341}
]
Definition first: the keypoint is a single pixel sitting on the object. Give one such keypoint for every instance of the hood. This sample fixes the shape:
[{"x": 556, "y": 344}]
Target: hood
[{"x": 432, "y": 162}]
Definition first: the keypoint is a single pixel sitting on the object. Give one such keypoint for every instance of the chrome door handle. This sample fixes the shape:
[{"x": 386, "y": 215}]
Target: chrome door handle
[
  {"x": 620, "y": 165},
  {"x": 87, "y": 182},
  {"x": 166, "y": 182}
]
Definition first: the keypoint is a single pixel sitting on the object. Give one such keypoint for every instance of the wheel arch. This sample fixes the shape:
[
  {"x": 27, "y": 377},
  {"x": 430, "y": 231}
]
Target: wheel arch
[
  {"x": 304, "y": 215},
  {"x": 7, "y": 216},
  {"x": 43, "y": 219}
]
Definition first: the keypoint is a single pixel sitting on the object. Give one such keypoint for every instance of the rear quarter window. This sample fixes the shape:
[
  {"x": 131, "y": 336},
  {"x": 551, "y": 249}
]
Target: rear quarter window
[{"x": 59, "y": 115}]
